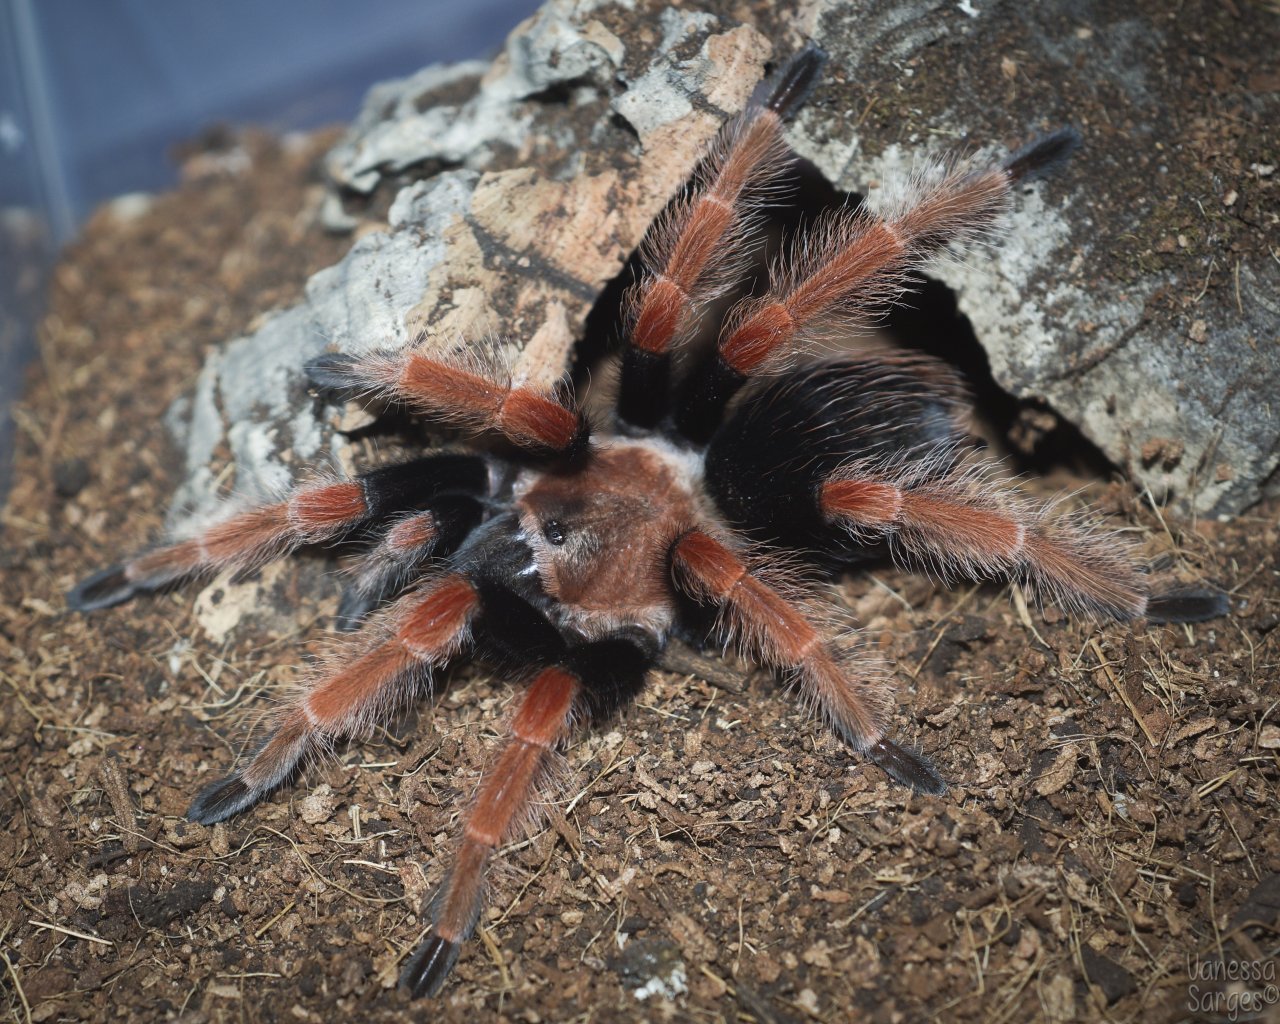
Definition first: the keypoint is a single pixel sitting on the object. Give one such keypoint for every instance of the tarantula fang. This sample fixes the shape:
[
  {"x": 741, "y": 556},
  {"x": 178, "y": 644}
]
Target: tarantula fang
[{"x": 573, "y": 558}]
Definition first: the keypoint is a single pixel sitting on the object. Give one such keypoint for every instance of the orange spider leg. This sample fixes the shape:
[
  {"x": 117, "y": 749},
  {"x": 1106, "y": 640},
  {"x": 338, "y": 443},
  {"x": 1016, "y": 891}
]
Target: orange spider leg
[
  {"x": 937, "y": 513},
  {"x": 426, "y": 629},
  {"x": 312, "y": 514},
  {"x": 503, "y": 802},
  {"x": 695, "y": 250},
  {"x": 852, "y": 264},
  {"x": 464, "y": 393},
  {"x": 695, "y": 238},
  {"x": 770, "y": 628},
  {"x": 405, "y": 545}
]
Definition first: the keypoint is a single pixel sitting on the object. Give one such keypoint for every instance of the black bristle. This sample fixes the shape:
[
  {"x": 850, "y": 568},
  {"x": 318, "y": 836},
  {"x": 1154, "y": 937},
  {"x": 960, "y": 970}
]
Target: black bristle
[
  {"x": 102, "y": 590},
  {"x": 907, "y": 767},
  {"x": 579, "y": 449},
  {"x": 220, "y": 800},
  {"x": 425, "y": 971},
  {"x": 1187, "y": 604},
  {"x": 456, "y": 516},
  {"x": 787, "y": 89},
  {"x": 1043, "y": 155},
  {"x": 510, "y": 632}
]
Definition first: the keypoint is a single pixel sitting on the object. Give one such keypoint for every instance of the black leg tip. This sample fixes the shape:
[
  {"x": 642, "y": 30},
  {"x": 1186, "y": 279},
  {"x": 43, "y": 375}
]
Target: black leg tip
[
  {"x": 102, "y": 590},
  {"x": 907, "y": 767},
  {"x": 1044, "y": 155},
  {"x": 332, "y": 372},
  {"x": 1187, "y": 604},
  {"x": 221, "y": 800},
  {"x": 789, "y": 87},
  {"x": 425, "y": 972}
]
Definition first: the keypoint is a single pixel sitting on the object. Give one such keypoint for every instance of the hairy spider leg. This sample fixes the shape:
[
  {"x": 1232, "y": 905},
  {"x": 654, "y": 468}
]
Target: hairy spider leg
[
  {"x": 502, "y": 804},
  {"x": 769, "y": 628},
  {"x": 950, "y": 515},
  {"x": 466, "y": 391},
  {"x": 403, "y": 546},
  {"x": 851, "y": 265},
  {"x": 423, "y": 630},
  {"x": 696, "y": 249},
  {"x": 595, "y": 677},
  {"x": 311, "y": 514}
]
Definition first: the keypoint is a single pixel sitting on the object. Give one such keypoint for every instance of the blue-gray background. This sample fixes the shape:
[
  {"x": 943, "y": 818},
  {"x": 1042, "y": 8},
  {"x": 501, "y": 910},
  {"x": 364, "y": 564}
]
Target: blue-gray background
[{"x": 94, "y": 93}]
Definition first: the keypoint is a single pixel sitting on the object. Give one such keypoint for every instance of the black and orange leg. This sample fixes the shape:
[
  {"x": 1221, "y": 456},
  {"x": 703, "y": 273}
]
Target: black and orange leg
[
  {"x": 851, "y": 695},
  {"x": 394, "y": 651},
  {"x": 463, "y": 391},
  {"x": 847, "y": 268},
  {"x": 416, "y": 635},
  {"x": 312, "y": 514},
  {"x": 694, "y": 251},
  {"x": 594, "y": 678},
  {"x": 766, "y": 463},
  {"x": 402, "y": 549},
  {"x": 952, "y": 515}
]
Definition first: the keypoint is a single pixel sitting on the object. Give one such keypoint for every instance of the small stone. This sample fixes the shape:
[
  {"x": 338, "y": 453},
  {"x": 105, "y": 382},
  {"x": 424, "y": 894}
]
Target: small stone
[
  {"x": 807, "y": 1000},
  {"x": 1059, "y": 775},
  {"x": 70, "y": 477},
  {"x": 318, "y": 805},
  {"x": 1114, "y": 981},
  {"x": 1230, "y": 198},
  {"x": 184, "y": 834}
]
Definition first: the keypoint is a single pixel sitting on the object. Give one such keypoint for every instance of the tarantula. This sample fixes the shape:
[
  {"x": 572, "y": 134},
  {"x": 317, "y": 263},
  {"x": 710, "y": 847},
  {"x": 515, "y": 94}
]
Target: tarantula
[{"x": 575, "y": 560}]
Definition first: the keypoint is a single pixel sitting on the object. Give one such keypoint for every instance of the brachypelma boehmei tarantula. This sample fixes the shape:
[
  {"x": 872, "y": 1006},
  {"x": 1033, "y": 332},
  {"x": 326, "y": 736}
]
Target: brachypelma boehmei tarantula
[{"x": 575, "y": 561}]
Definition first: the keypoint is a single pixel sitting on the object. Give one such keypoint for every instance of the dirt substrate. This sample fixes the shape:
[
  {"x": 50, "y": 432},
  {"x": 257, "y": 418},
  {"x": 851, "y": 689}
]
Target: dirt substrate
[{"x": 714, "y": 855}]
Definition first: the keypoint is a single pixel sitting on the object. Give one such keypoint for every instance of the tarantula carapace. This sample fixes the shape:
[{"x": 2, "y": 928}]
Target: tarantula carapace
[{"x": 732, "y": 492}]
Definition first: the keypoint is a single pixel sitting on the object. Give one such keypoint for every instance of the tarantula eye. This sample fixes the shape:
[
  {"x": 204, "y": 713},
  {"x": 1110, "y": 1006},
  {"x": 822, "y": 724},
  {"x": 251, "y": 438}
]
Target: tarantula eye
[{"x": 555, "y": 532}]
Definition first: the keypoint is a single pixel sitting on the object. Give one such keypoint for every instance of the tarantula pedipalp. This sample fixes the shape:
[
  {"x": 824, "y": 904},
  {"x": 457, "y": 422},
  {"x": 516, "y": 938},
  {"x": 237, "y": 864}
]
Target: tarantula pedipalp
[{"x": 574, "y": 562}]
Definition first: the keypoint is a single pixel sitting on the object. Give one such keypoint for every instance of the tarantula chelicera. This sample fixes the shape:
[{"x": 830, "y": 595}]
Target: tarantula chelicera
[{"x": 573, "y": 561}]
